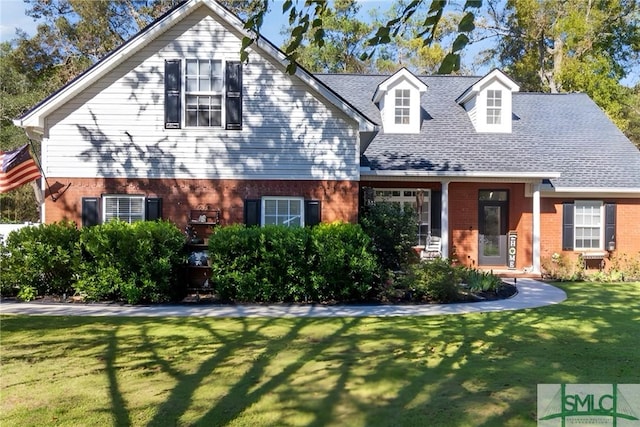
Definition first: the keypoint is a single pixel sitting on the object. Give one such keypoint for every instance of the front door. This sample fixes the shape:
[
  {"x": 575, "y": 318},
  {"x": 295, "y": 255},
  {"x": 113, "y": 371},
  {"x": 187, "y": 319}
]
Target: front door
[{"x": 493, "y": 209}]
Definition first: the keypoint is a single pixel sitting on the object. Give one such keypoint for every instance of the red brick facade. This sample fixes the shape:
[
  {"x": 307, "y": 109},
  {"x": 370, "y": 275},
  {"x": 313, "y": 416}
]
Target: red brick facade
[
  {"x": 464, "y": 221},
  {"x": 339, "y": 198},
  {"x": 340, "y": 203},
  {"x": 627, "y": 227}
]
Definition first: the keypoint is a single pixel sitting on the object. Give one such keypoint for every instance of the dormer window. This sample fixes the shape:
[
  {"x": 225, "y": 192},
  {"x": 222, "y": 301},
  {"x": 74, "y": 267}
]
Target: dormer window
[
  {"x": 489, "y": 103},
  {"x": 398, "y": 99},
  {"x": 494, "y": 106},
  {"x": 403, "y": 106}
]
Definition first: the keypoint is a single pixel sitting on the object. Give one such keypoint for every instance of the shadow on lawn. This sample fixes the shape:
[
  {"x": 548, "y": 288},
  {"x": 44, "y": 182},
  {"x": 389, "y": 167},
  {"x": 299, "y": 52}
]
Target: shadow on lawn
[{"x": 477, "y": 369}]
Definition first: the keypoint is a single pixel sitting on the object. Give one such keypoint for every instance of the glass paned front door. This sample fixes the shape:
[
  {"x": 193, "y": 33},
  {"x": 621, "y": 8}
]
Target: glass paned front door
[{"x": 492, "y": 242}]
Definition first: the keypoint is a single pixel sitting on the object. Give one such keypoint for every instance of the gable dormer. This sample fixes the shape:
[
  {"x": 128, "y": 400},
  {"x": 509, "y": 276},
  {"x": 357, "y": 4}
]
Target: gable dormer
[
  {"x": 489, "y": 102},
  {"x": 398, "y": 99}
]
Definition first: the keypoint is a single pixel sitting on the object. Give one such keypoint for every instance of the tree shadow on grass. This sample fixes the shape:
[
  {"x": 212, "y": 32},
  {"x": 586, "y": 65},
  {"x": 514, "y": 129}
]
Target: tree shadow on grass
[
  {"x": 475, "y": 369},
  {"x": 118, "y": 403}
]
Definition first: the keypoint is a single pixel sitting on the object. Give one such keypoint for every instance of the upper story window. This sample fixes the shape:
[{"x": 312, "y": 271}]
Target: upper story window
[
  {"x": 588, "y": 224},
  {"x": 489, "y": 103},
  {"x": 494, "y": 107},
  {"x": 203, "y": 92},
  {"x": 398, "y": 97},
  {"x": 403, "y": 107}
]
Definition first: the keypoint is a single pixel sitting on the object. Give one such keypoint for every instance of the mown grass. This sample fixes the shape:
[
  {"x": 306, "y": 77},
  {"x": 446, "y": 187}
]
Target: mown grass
[{"x": 465, "y": 370}]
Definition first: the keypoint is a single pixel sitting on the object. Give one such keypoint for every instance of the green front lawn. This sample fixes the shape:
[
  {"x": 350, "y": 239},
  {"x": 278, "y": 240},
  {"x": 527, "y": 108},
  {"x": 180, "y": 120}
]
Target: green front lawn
[{"x": 467, "y": 370}]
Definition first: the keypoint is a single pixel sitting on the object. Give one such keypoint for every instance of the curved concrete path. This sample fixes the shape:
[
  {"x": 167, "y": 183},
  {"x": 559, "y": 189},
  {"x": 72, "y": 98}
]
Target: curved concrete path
[{"x": 531, "y": 293}]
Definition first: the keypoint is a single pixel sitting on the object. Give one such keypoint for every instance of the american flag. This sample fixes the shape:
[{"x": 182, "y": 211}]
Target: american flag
[{"x": 17, "y": 169}]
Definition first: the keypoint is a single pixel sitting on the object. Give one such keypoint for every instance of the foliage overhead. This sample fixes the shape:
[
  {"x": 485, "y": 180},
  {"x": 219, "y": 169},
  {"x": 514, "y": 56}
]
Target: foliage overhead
[{"x": 569, "y": 46}]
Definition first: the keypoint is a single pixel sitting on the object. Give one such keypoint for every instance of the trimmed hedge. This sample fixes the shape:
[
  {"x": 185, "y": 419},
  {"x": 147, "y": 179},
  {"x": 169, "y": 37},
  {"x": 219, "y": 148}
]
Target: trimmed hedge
[
  {"x": 40, "y": 260},
  {"x": 329, "y": 262},
  {"x": 136, "y": 262}
]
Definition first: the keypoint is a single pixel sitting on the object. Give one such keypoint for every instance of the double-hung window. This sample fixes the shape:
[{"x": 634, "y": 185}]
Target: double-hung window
[
  {"x": 403, "y": 104},
  {"x": 203, "y": 92},
  {"x": 124, "y": 208},
  {"x": 287, "y": 211},
  {"x": 588, "y": 224},
  {"x": 494, "y": 107}
]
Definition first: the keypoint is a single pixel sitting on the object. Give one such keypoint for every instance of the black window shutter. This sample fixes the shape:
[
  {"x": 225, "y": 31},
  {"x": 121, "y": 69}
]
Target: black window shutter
[
  {"x": 436, "y": 212},
  {"x": 233, "y": 100},
  {"x": 153, "y": 210},
  {"x": 312, "y": 212},
  {"x": 90, "y": 211},
  {"x": 252, "y": 212},
  {"x": 567, "y": 226},
  {"x": 172, "y": 95},
  {"x": 609, "y": 224}
]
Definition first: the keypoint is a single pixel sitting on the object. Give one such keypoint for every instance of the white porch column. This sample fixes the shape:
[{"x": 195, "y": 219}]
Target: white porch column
[
  {"x": 536, "y": 228},
  {"x": 444, "y": 219}
]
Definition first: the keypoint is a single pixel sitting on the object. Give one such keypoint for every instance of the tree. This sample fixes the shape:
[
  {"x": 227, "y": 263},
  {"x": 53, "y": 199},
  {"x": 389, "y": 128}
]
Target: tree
[
  {"x": 307, "y": 22},
  {"x": 407, "y": 47},
  {"x": 17, "y": 91},
  {"x": 631, "y": 110},
  {"x": 569, "y": 46},
  {"x": 344, "y": 42}
]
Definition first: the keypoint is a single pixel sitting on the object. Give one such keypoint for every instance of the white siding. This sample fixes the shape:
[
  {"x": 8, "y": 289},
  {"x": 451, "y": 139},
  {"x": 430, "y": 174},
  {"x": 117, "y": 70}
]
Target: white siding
[{"x": 116, "y": 127}]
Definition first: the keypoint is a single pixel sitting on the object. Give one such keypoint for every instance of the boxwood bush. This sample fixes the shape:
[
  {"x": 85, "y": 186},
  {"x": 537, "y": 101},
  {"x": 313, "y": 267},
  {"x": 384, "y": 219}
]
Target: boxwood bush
[
  {"x": 329, "y": 262},
  {"x": 40, "y": 260},
  {"x": 137, "y": 262}
]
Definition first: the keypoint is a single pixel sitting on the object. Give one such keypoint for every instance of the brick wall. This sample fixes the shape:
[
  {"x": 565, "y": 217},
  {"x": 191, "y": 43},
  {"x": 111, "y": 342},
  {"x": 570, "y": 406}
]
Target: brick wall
[
  {"x": 627, "y": 227},
  {"x": 339, "y": 198},
  {"x": 464, "y": 221}
]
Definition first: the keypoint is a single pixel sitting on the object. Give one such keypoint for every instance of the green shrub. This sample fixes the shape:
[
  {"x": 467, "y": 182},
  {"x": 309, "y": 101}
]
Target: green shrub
[
  {"x": 559, "y": 267},
  {"x": 345, "y": 267},
  {"x": 275, "y": 263},
  {"x": 479, "y": 281},
  {"x": 435, "y": 281},
  {"x": 136, "y": 262},
  {"x": 40, "y": 259},
  {"x": 393, "y": 233}
]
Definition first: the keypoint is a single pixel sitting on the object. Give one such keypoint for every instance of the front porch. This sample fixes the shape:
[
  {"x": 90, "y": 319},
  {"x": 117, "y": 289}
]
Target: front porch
[{"x": 490, "y": 224}]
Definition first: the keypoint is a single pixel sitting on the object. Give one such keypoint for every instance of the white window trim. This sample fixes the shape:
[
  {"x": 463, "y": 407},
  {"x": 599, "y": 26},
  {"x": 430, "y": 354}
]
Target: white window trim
[
  {"x": 404, "y": 110},
  {"x": 222, "y": 94},
  {"x": 578, "y": 203},
  {"x": 499, "y": 109},
  {"x": 276, "y": 198},
  {"x": 122, "y": 196}
]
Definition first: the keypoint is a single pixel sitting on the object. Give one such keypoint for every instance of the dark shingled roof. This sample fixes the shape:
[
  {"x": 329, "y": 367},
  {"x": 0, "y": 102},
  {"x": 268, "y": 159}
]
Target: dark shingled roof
[{"x": 565, "y": 133}]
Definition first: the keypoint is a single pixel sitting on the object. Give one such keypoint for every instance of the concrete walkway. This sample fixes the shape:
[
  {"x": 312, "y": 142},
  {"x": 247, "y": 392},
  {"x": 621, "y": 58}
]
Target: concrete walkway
[{"x": 531, "y": 293}]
